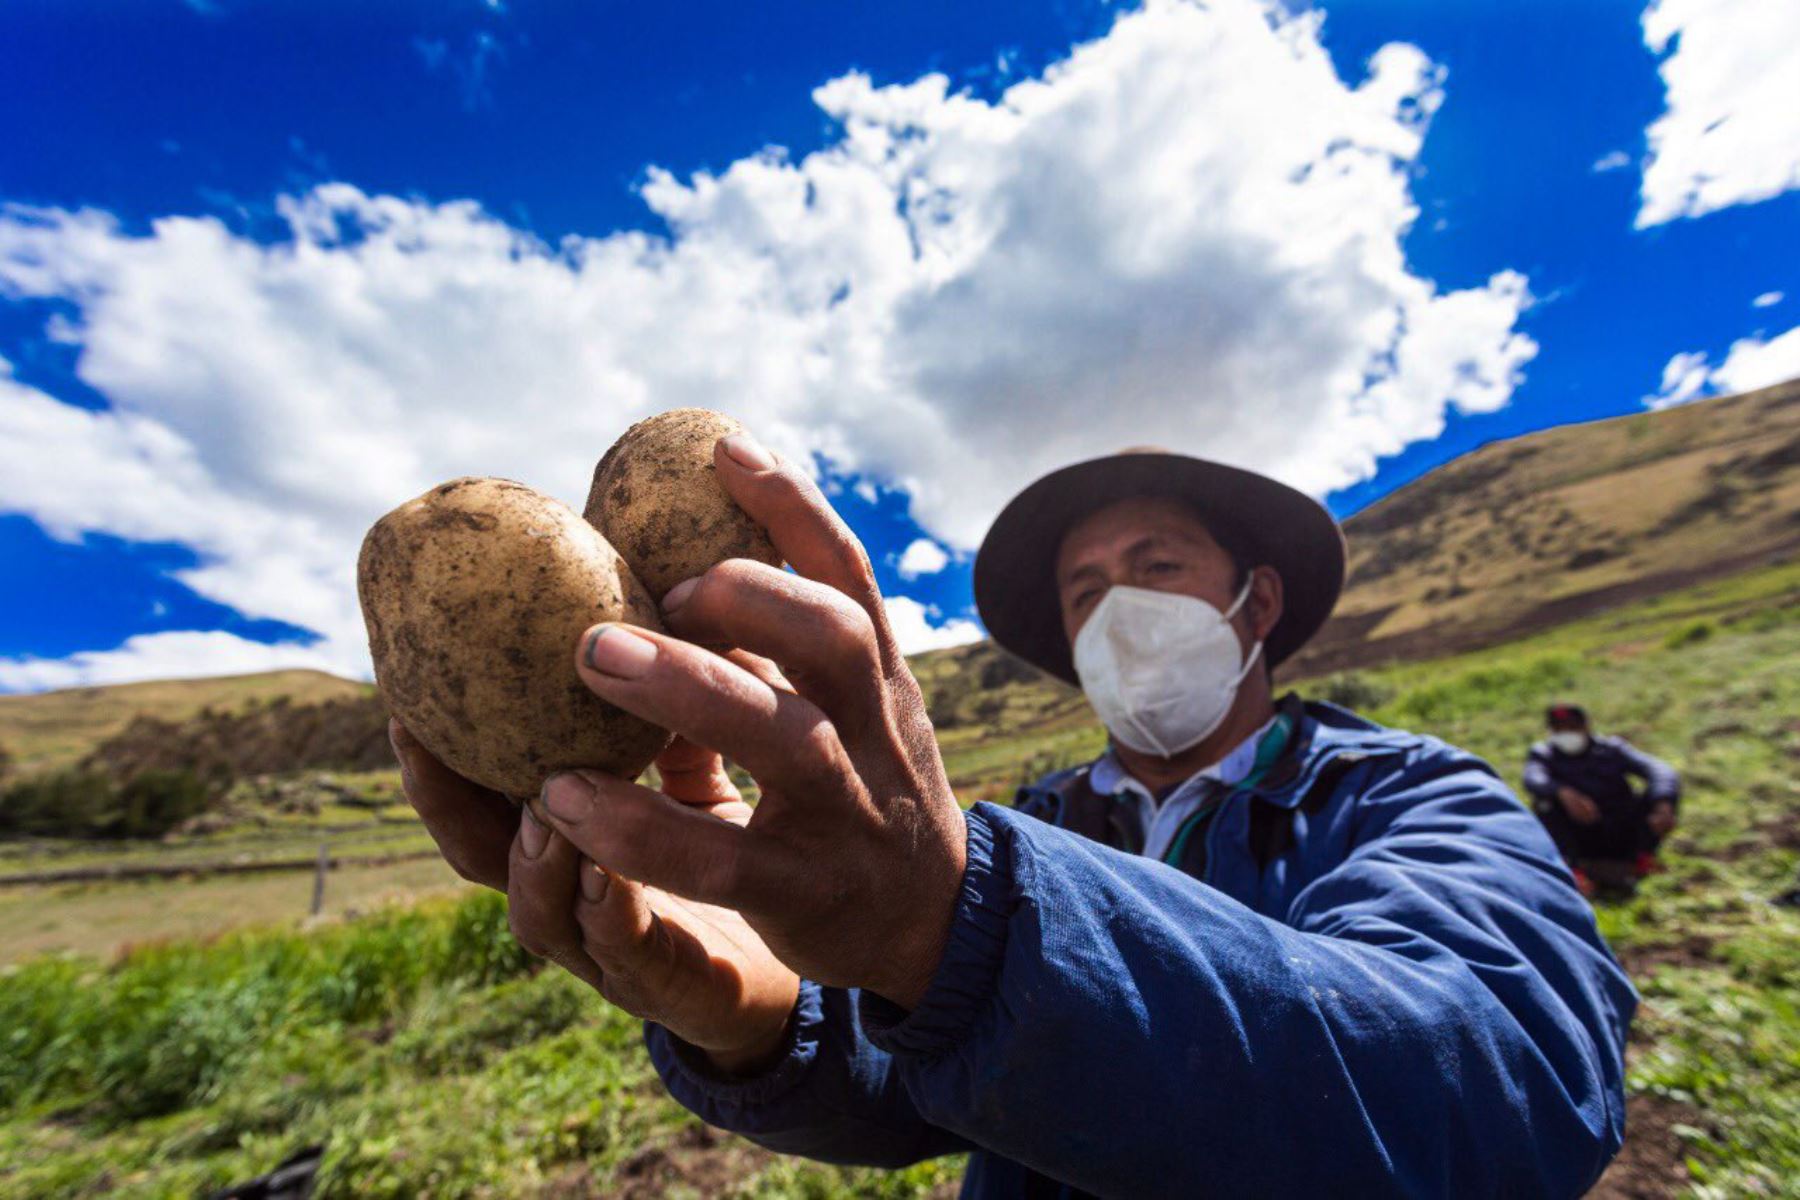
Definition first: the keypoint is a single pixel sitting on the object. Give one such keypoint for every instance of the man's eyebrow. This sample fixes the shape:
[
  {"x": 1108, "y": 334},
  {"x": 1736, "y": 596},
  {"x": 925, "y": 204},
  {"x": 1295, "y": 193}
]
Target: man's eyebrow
[
  {"x": 1160, "y": 541},
  {"x": 1081, "y": 572}
]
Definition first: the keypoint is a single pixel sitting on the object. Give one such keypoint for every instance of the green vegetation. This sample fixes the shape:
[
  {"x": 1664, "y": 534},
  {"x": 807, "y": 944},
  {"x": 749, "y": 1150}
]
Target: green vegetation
[
  {"x": 420, "y": 1045},
  {"x": 429, "y": 1056},
  {"x": 76, "y": 803}
]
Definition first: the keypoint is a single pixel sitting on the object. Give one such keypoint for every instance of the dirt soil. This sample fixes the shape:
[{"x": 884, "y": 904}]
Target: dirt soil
[
  {"x": 698, "y": 1161},
  {"x": 1652, "y": 1164}
]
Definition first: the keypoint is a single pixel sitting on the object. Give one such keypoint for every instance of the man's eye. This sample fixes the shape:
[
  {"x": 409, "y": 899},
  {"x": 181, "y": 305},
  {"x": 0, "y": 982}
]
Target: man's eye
[
  {"x": 1083, "y": 599},
  {"x": 1163, "y": 568}
]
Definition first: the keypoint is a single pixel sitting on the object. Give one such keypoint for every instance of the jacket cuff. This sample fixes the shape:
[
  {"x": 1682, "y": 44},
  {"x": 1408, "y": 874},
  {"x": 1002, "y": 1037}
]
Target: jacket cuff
[
  {"x": 968, "y": 974},
  {"x": 681, "y": 1063}
]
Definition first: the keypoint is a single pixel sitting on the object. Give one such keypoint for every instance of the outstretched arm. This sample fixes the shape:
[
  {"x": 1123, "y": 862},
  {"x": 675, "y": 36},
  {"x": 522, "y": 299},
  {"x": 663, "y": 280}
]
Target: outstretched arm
[{"x": 1435, "y": 1017}]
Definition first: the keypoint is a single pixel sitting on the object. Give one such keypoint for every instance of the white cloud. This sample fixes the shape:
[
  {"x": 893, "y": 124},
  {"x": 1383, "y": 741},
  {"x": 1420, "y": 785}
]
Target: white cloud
[
  {"x": 1751, "y": 363},
  {"x": 1767, "y": 300},
  {"x": 911, "y": 622},
  {"x": 1683, "y": 379},
  {"x": 1614, "y": 160},
  {"x": 1188, "y": 233},
  {"x": 1730, "y": 129},
  {"x": 180, "y": 655},
  {"x": 922, "y": 557}
]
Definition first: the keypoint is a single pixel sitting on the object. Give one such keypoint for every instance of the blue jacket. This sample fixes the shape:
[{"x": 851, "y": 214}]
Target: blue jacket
[{"x": 1408, "y": 997}]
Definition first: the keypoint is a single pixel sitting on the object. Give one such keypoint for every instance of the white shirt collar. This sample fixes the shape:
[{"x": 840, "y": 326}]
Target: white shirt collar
[{"x": 1109, "y": 777}]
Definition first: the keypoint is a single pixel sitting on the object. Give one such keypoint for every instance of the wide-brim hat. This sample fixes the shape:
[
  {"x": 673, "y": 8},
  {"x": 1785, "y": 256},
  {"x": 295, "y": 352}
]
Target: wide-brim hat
[{"x": 1269, "y": 523}]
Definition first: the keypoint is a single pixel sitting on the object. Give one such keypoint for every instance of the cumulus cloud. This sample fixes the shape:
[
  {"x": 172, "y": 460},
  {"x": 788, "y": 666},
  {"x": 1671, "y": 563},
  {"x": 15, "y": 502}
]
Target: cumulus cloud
[
  {"x": 1615, "y": 160},
  {"x": 1187, "y": 233},
  {"x": 922, "y": 557},
  {"x": 1767, "y": 300},
  {"x": 1751, "y": 363},
  {"x": 914, "y": 630},
  {"x": 1730, "y": 130},
  {"x": 178, "y": 655}
]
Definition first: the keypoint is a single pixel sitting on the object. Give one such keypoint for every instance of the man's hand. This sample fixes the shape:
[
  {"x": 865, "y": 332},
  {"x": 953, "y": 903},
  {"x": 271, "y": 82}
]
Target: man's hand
[
  {"x": 1662, "y": 819},
  {"x": 696, "y": 969},
  {"x": 850, "y": 865},
  {"x": 1579, "y": 805}
]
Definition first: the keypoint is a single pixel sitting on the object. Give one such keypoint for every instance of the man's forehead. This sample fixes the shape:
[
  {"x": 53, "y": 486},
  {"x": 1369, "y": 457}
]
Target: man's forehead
[{"x": 1125, "y": 523}]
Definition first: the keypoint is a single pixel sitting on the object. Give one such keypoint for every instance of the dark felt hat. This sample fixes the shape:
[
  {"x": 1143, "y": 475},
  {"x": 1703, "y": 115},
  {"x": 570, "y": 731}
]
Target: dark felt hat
[{"x": 1265, "y": 522}]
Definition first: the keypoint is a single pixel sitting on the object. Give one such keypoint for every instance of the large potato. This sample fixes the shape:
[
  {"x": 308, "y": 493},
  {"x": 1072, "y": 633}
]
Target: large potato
[
  {"x": 475, "y": 595},
  {"x": 657, "y": 499}
]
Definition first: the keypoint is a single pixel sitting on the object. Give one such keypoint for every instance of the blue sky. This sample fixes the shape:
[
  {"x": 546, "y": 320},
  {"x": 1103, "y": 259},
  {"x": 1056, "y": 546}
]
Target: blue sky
[{"x": 549, "y": 118}]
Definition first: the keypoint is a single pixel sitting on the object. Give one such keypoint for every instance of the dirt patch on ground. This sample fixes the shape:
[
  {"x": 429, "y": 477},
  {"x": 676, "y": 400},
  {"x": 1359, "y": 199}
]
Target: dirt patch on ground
[
  {"x": 1693, "y": 950},
  {"x": 1653, "y": 1163},
  {"x": 698, "y": 1161}
]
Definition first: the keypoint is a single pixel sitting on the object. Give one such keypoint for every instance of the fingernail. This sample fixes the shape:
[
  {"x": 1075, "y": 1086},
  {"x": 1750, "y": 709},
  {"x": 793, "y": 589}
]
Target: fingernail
[
  {"x": 595, "y": 880},
  {"x": 533, "y": 837},
  {"x": 617, "y": 651},
  {"x": 679, "y": 593},
  {"x": 568, "y": 797},
  {"x": 748, "y": 453}
]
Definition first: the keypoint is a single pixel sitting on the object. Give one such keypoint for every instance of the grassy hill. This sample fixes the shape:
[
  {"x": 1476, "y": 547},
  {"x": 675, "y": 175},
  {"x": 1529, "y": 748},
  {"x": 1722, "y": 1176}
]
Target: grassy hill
[
  {"x": 54, "y": 729},
  {"x": 1535, "y": 531}
]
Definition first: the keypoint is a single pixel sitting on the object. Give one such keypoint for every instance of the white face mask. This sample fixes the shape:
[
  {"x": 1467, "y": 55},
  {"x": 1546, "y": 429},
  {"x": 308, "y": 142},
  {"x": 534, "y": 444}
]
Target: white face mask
[
  {"x": 1570, "y": 741},
  {"x": 1161, "y": 669}
]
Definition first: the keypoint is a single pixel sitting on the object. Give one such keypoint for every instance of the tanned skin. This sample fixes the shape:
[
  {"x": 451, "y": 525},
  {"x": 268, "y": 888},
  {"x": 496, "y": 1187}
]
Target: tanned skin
[{"x": 1163, "y": 545}]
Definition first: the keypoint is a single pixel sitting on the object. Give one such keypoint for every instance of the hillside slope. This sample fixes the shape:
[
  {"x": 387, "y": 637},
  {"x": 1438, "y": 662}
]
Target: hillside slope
[
  {"x": 54, "y": 729},
  {"x": 1538, "y": 530}
]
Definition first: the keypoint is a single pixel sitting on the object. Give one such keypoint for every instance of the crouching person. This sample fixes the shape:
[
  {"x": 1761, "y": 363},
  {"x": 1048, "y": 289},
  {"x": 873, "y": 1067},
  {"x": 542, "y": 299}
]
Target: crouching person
[
  {"x": 1607, "y": 829},
  {"x": 1259, "y": 947}
]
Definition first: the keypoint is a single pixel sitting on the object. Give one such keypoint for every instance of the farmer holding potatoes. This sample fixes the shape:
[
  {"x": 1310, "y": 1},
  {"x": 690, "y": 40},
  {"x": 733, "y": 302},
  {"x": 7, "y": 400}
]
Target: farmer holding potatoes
[{"x": 1259, "y": 947}]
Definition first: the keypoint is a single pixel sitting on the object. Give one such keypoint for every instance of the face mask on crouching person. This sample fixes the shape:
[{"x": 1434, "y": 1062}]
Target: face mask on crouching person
[
  {"x": 1161, "y": 669},
  {"x": 1570, "y": 741}
]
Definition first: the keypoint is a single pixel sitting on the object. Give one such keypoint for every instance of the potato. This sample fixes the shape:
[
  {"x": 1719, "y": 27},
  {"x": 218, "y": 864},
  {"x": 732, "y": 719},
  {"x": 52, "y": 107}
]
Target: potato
[
  {"x": 657, "y": 499},
  {"x": 475, "y": 596}
]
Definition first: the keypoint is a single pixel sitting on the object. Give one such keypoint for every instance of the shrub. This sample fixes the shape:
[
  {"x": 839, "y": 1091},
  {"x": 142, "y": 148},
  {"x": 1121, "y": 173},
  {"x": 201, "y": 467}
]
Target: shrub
[
  {"x": 1689, "y": 635},
  {"x": 73, "y": 803},
  {"x": 82, "y": 803},
  {"x": 1353, "y": 690}
]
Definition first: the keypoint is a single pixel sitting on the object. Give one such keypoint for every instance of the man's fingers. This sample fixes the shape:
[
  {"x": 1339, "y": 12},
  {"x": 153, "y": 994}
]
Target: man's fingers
[
  {"x": 696, "y": 775},
  {"x": 645, "y": 836},
  {"x": 763, "y": 668},
  {"x": 620, "y": 934},
  {"x": 540, "y": 898},
  {"x": 472, "y": 826},
  {"x": 824, "y": 642},
  {"x": 805, "y": 528},
  {"x": 781, "y": 739}
]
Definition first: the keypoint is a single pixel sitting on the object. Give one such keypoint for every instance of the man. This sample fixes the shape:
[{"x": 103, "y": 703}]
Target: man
[
  {"x": 1581, "y": 789},
  {"x": 1358, "y": 968}
]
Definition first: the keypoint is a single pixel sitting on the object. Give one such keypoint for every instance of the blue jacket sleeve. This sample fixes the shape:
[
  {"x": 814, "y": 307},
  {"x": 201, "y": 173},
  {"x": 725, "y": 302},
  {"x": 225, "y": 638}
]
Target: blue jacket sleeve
[
  {"x": 1435, "y": 1016},
  {"x": 832, "y": 1096},
  {"x": 1661, "y": 784}
]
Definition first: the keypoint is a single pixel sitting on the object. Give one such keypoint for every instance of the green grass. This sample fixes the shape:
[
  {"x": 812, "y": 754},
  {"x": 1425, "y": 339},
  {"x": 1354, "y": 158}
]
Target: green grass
[{"x": 421, "y": 1047}]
